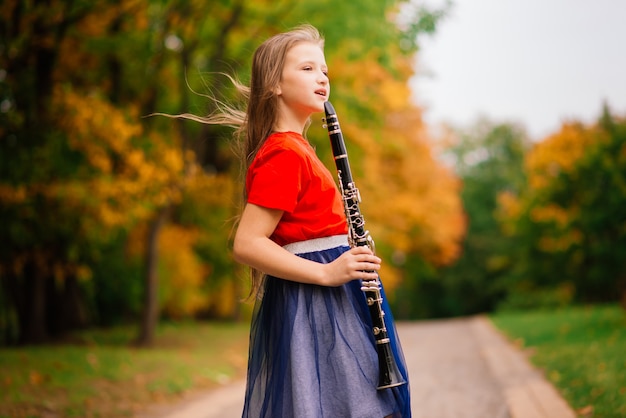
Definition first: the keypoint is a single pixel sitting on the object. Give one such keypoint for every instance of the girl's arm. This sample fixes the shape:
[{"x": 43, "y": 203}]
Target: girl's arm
[{"x": 253, "y": 247}]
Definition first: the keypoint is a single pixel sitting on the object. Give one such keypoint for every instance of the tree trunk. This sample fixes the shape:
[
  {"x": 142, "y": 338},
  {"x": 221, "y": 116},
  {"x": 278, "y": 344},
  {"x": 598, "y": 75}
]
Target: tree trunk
[
  {"x": 150, "y": 314},
  {"x": 33, "y": 319},
  {"x": 9, "y": 308},
  {"x": 72, "y": 310}
]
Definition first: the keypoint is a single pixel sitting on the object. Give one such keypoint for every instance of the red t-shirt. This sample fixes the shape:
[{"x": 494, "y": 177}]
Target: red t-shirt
[{"x": 287, "y": 175}]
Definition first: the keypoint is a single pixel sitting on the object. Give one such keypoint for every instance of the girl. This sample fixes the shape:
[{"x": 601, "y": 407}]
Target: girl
[{"x": 312, "y": 351}]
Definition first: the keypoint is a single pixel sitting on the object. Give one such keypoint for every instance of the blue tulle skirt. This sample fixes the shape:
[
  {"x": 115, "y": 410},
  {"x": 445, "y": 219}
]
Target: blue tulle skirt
[{"x": 313, "y": 354}]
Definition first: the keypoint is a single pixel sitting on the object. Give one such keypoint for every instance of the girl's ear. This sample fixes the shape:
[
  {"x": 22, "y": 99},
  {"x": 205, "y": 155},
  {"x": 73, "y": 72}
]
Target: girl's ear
[{"x": 277, "y": 90}]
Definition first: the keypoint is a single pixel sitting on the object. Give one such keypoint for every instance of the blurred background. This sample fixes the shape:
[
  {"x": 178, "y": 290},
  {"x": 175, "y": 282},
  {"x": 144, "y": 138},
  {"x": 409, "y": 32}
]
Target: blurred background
[{"x": 117, "y": 226}]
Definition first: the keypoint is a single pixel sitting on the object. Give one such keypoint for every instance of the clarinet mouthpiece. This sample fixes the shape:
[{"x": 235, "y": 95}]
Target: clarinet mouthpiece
[{"x": 329, "y": 109}]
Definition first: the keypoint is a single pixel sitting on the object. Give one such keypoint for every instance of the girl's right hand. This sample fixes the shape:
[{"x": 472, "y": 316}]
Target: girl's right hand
[{"x": 357, "y": 263}]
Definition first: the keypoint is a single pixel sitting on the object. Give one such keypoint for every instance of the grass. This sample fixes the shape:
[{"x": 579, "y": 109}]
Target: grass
[
  {"x": 582, "y": 351},
  {"x": 99, "y": 374}
]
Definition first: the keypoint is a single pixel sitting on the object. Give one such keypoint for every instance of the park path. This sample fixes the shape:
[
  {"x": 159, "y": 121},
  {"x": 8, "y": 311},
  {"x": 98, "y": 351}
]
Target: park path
[{"x": 459, "y": 368}]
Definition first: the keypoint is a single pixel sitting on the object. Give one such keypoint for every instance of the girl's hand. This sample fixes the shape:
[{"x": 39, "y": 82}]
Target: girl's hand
[
  {"x": 357, "y": 263},
  {"x": 253, "y": 247}
]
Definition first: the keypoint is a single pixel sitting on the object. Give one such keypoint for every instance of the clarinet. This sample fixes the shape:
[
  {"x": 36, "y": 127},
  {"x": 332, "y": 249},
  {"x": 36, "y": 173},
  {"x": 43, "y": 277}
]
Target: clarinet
[{"x": 389, "y": 374}]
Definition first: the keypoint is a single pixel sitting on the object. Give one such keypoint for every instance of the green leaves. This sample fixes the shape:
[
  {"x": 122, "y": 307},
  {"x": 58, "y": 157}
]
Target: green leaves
[{"x": 571, "y": 217}]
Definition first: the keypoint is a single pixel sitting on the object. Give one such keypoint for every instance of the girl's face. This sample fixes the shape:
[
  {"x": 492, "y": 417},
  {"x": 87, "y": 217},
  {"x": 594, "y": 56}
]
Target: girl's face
[{"x": 304, "y": 85}]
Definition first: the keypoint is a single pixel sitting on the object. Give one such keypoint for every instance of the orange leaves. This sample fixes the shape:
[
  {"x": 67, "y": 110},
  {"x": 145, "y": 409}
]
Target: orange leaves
[
  {"x": 417, "y": 198},
  {"x": 193, "y": 251},
  {"x": 551, "y": 213},
  {"x": 133, "y": 12},
  {"x": 212, "y": 191},
  {"x": 94, "y": 126},
  {"x": 182, "y": 272},
  {"x": 564, "y": 233},
  {"x": 560, "y": 192},
  {"x": 10, "y": 195},
  {"x": 557, "y": 153},
  {"x": 374, "y": 85},
  {"x": 560, "y": 243},
  {"x": 509, "y": 209},
  {"x": 411, "y": 201},
  {"x": 120, "y": 181}
]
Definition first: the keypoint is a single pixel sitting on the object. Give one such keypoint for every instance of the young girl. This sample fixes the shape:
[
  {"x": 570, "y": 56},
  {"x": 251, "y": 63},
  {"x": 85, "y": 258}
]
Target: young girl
[{"x": 312, "y": 350}]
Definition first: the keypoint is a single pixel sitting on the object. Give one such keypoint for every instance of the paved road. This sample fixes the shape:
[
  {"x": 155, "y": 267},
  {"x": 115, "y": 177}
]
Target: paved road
[
  {"x": 449, "y": 377},
  {"x": 458, "y": 368}
]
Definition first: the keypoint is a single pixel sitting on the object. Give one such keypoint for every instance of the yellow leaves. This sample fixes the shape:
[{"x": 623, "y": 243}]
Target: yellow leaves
[
  {"x": 212, "y": 190},
  {"x": 411, "y": 201},
  {"x": 422, "y": 194},
  {"x": 560, "y": 243},
  {"x": 171, "y": 159},
  {"x": 564, "y": 235},
  {"x": 551, "y": 213},
  {"x": 223, "y": 299},
  {"x": 94, "y": 126},
  {"x": 101, "y": 19},
  {"x": 557, "y": 195},
  {"x": 508, "y": 210},
  {"x": 394, "y": 94},
  {"x": 120, "y": 183},
  {"x": 557, "y": 153},
  {"x": 374, "y": 84},
  {"x": 135, "y": 160},
  {"x": 182, "y": 272},
  {"x": 391, "y": 277},
  {"x": 509, "y": 204}
]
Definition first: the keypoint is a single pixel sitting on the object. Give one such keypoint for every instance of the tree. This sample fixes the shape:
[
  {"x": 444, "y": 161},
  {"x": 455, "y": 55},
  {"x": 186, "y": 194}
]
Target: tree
[
  {"x": 567, "y": 219},
  {"x": 488, "y": 158},
  {"x": 77, "y": 171},
  {"x": 84, "y": 171}
]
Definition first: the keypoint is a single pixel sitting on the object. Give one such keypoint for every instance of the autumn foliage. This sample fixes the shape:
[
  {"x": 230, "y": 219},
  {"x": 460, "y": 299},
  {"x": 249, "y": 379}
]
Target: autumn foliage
[
  {"x": 102, "y": 204},
  {"x": 111, "y": 215},
  {"x": 569, "y": 220}
]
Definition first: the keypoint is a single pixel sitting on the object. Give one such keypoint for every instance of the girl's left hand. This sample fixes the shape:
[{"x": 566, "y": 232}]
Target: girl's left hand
[{"x": 356, "y": 263}]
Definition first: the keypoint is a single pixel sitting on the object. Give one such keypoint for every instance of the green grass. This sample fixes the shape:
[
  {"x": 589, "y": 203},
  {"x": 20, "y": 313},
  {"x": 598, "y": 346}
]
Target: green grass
[
  {"x": 99, "y": 373},
  {"x": 582, "y": 351}
]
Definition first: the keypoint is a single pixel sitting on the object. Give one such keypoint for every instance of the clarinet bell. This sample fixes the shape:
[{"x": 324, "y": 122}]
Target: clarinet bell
[{"x": 389, "y": 375}]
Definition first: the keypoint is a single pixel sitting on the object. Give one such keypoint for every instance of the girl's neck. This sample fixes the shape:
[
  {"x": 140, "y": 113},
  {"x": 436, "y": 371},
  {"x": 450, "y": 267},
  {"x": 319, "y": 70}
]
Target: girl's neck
[{"x": 290, "y": 121}]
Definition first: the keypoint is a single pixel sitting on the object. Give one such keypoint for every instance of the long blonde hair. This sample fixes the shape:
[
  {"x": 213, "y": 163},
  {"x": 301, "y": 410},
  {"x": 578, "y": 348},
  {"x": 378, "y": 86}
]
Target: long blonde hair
[
  {"x": 256, "y": 123},
  {"x": 267, "y": 68}
]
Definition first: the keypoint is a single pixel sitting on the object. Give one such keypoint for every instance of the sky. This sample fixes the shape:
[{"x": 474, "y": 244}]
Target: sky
[{"x": 533, "y": 62}]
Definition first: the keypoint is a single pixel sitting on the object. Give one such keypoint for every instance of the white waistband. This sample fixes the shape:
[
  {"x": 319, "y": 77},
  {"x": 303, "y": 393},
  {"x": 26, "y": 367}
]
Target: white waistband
[{"x": 317, "y": 244}]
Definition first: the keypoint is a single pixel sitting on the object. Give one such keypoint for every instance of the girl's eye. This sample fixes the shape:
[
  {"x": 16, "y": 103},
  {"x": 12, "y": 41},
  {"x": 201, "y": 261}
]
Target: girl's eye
[{"x": 307, "y": 68}]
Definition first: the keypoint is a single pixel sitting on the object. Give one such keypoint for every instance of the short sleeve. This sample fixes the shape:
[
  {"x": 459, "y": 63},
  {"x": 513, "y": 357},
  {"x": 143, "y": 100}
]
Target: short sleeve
[{"x": 275, "y": 179}]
